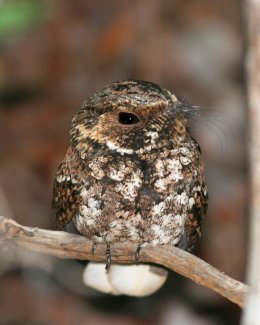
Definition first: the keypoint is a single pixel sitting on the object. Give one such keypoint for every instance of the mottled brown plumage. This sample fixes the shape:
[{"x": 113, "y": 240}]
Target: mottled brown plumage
[{"x": 132, "y": 172}]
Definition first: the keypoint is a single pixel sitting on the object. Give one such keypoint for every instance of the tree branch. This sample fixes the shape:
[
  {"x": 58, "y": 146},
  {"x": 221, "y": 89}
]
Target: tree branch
[
  {"x": 252, "y": 311},
  {"x": 64, "y": 245}
]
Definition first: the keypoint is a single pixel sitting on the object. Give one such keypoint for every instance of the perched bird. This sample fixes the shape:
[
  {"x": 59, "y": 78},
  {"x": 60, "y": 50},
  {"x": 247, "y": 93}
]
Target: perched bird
[{"x": 132, "y": 173}]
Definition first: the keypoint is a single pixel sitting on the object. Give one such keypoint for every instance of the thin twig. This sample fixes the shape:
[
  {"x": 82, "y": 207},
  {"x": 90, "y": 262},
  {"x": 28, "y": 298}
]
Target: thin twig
[{"x": 64, "y": 245}]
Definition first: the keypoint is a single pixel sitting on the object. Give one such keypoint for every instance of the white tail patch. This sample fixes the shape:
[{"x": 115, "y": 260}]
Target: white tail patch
[{"x": 131, "y": 280}]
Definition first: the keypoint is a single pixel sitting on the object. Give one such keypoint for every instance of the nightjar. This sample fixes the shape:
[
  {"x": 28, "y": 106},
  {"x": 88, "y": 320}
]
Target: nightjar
[{"x": 132, "y": 173}]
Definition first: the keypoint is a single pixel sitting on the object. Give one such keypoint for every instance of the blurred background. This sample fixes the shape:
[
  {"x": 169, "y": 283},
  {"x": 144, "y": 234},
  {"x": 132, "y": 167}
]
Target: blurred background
[{"x": 56, "y": 53}]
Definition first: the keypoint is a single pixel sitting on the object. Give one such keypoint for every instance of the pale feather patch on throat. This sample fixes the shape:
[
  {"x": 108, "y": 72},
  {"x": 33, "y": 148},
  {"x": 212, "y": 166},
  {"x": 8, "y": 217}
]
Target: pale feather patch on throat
[{"x": 111, "y": 145}]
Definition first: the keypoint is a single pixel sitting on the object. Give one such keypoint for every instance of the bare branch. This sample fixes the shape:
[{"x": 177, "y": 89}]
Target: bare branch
[
  {"x": 64, "y": 245},
  {"x": 252, "y": 311}
]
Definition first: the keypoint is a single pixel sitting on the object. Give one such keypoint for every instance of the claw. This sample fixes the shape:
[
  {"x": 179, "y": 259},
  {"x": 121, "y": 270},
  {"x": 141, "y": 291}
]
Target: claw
[
  {"x": 94, "y": 246},
  {"x": 137, "y": 253},
  {"x": 108, "y": 257}
]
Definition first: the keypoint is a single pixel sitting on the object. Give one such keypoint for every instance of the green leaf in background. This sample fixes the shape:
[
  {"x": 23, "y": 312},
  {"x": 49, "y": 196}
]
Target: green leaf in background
[{"x": 17, "y": 16}]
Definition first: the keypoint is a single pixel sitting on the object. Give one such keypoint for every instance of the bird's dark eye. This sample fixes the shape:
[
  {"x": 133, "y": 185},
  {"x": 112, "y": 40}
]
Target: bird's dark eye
[{"x": 128, "y": 118}]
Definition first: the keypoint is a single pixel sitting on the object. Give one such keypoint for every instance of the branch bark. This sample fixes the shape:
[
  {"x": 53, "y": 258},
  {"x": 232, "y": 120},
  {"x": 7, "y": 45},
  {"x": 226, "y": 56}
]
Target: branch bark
[
  {"x": 64, "y": 245},
  {"x": 252, "y": 311}
]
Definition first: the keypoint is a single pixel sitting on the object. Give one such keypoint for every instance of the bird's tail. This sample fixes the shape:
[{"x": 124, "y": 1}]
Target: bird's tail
[{"x": 131, "y": 280}]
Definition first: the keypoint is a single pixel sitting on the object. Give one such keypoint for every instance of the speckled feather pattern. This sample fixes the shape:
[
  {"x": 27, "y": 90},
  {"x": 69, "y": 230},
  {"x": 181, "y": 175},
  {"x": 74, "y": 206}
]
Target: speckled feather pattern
[{"x": 142, "y": 182}]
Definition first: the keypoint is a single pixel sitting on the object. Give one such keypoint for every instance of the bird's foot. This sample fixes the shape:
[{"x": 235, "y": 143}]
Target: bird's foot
[
  {"x": 94, "y": 246},
  {"x": 108, "y": 257},
  {"x": 137, "y": 253}
]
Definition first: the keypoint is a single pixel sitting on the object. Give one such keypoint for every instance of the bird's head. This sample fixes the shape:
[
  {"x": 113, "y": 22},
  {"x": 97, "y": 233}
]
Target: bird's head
[{"x": 130, "y": 117}]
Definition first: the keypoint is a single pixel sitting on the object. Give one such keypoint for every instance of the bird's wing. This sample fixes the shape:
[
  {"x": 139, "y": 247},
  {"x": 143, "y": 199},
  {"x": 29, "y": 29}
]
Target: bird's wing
[
  {"x": 195, "y": 216},
  {"x": 66, "y": 191},
  {"x": 198, "y": 203}
]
